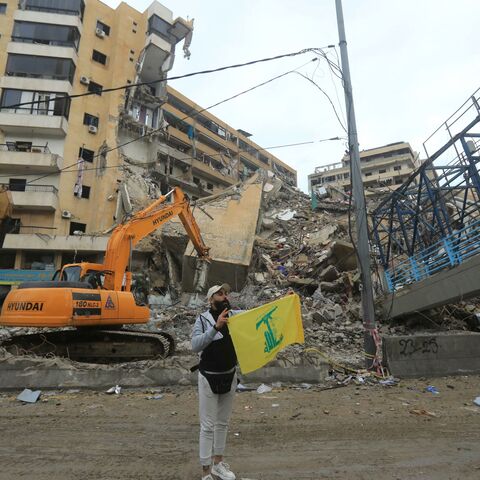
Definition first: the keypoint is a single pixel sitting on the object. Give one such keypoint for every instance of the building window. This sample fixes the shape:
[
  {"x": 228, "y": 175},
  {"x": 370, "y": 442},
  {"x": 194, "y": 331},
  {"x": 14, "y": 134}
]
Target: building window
[
  {"x": 85, "y": 192},
  {"x": 95, "y": 88},
  {"x": 3, "y": 8},
  {"x": 90, "y": 119},
  {"x": 103, "y": 27},
  {"x": 159, "y": 27},
  {"x": 17, "y": 184},
  {"x": 382, "y": 171},
  {"x": 368, "y": 174},
  {"x": 77, "y": 227},
  {"x": 397, "y": 167},
  {"x": 99, "y": 57},
  {"x": 40, "y": 67},
  {"x": 63, "y": 7},
  {"x": 196, "y": 180},
  {"x": 41, "y": 103},
  {"x": 86, "y": 154},
  {"x": 209, "y": 186},
  {"x": 43, "y": 33}
]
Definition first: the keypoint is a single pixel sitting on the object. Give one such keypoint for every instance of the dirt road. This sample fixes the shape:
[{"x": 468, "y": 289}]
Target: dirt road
[{"x": 353, "y": 432}]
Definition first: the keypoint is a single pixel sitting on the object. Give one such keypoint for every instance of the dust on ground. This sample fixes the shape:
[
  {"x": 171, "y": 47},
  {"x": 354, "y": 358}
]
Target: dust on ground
[{"x": 353, "y": 432}]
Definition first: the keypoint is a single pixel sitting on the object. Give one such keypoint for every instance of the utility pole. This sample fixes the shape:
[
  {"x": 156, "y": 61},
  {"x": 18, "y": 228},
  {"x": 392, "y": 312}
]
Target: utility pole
[{"x": 362, "y": 248}]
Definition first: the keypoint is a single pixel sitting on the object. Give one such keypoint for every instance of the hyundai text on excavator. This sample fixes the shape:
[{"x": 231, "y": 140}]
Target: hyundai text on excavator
[{"x": 97, "y": 298}]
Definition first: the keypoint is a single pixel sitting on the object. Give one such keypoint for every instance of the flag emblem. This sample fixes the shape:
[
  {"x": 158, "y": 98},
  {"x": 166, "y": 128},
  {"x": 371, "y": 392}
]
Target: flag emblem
[{"x": 258, "y": 335}]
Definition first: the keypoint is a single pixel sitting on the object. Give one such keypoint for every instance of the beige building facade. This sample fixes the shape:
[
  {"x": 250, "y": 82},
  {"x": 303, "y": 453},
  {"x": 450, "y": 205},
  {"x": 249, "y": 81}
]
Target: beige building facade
[
  {"x": 383, "y": 169},
  {"x": 66, "y": 163}
]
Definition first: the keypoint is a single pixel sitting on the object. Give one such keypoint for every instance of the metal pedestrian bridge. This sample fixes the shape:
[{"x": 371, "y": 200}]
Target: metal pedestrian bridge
[{"x": 426, "y": 233}]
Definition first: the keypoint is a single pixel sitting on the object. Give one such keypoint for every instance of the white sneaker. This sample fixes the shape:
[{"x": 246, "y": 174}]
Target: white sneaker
[{"x": 223, "y": 471}]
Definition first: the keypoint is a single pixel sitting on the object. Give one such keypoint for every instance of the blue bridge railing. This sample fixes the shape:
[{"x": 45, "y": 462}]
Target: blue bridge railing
[{"x": 449, "y": 252}]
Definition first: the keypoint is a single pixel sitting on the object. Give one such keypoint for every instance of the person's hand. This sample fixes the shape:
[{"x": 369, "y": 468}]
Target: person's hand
[{"x": 222, "y": 319}]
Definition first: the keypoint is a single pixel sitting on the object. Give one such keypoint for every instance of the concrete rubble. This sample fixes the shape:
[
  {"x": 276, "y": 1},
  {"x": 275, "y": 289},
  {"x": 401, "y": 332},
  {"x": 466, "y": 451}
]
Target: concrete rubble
[{"x": 280, "y": 244}]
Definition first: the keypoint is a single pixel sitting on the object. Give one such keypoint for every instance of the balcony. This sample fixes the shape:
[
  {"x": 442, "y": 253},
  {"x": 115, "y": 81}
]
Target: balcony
[
  {"x": 207, "y": 171},
  {"x": 20, "y": 123},
  {"x": 46, "y": 17},
  {"x": 59, "y": 7},
  {"x": 32, "y": 197},
  {"x": 42, "y": 49},
  {"x": 25, "y": 158},
  {"x": 36, "y": 84}
]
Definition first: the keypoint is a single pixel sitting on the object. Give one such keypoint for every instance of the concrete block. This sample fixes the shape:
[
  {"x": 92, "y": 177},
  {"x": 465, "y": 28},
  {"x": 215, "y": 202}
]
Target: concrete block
[
  {"x": 230, "y": 236},
  {"x": 432, "y": 355}
]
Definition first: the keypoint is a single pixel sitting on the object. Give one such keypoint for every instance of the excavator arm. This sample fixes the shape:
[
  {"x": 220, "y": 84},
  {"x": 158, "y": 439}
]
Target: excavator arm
[{"x": 129, "y": 233}]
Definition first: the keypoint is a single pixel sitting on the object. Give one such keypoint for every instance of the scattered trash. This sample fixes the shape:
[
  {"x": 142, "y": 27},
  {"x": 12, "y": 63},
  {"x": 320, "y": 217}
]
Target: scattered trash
[
  {"x": 477, "y": 401},
  {"x": 277, "y": 384},
  {"x": 244, "y": 388},
  {"x": 388, "y": 382},
  {"x": 114, "y": 390},
  {"x": 264, "y": 389},
  {"x": 306, "y": 386},
  {"x": 155, "y": 397},
  {"x": 432, "y": 389},
  {"x": 422, "y": 411},
  {"x": 275, "y": 405},
  {"x": 29, "y": 396},
  {"x": 236, "y": 434}
]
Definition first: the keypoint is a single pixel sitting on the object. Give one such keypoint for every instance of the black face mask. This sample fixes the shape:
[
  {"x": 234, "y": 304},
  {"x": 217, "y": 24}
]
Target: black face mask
[{"x": 221, "y": 306}]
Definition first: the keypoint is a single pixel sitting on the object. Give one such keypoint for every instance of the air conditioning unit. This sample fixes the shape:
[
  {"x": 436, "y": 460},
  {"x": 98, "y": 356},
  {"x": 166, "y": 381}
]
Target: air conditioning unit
[
  {"x": 92, "y": 129},
  {"x": 66, "y": 214},
  {"x": 99, "y": 33},
  {"x": 84, "y": 80}
]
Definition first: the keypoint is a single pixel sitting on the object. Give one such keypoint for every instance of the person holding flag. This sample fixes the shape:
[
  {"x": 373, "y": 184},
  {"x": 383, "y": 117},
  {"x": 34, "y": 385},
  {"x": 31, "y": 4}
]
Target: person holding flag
[
  {"x": 222, "y": 336},
  {"x": 217, "y": 380}
]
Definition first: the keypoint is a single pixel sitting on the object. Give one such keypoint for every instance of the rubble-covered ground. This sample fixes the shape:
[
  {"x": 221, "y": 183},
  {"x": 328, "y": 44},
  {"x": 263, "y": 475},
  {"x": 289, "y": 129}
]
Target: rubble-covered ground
[
  {"x": 311, "y": 252},
  {"x": 296, "y": 248},
  {"x": 355, "y": 432}
]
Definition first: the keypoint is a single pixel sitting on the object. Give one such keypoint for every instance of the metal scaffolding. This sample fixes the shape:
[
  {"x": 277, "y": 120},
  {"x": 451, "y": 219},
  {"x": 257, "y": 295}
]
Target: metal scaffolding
[{"x": 431, "y": 221}]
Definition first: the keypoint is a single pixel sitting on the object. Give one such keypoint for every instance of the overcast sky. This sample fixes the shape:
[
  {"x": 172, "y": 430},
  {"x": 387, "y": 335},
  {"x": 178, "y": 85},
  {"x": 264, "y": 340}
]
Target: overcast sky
[{"x": 412, "y": 62}]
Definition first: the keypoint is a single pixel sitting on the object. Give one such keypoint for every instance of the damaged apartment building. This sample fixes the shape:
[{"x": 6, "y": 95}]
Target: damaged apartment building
[
  {"x": 383, "y": 169},
  {"x": 67, "y": 171}
]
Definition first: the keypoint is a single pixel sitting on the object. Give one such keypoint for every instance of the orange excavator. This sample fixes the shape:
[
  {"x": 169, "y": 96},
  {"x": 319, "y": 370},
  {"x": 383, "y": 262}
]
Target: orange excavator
[{"x": 97, "y": 299}]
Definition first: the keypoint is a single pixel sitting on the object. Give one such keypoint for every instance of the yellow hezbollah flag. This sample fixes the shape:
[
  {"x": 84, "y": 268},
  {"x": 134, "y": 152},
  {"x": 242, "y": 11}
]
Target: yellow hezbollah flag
[{"x": 259, "y": 334}]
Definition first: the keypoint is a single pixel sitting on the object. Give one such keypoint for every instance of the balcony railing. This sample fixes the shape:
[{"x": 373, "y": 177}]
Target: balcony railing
[
  {"x": 24, "y": 147},
  {"x": 34, "y": 110},
  {"x": 449, "y": 252},
  {"x": 53, "y": 43},
  {"x": 41, "y": 8},
  {"x": 29, "y": 188},
  {"x": 45, "y": 76}
]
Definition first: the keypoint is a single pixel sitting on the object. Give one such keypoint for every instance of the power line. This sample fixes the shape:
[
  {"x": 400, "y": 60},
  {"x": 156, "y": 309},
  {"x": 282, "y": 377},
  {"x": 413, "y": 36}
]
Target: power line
[
  {"x": 72, "y": 167},
  {"x": 177, "y": 77},
  {"x": 194, "y": 113}
]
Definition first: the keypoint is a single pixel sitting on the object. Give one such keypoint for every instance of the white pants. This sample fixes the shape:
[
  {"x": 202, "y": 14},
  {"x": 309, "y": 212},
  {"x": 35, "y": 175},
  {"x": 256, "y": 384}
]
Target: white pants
[{"x": 214, "y": 413}]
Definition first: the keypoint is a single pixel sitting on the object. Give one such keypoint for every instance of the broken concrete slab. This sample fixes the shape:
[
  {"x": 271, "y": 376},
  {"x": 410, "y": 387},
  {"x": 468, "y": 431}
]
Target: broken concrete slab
[
  {"x": 230, "y": 236},
  {"x": 343, "y": 255},
  {"x": 16, "y": 373},
  {"x": 329, "y": 274}
]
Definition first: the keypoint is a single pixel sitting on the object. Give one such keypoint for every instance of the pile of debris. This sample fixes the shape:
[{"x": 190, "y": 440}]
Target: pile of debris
[{"x": 309, "y": 251}]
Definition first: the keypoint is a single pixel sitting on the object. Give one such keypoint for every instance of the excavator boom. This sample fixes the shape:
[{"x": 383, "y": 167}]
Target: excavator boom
[{"x": 92, "y": 295}]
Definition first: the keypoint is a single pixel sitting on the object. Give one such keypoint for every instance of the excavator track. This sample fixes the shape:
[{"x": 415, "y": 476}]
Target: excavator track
[{"x": 94, "y": 345}]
